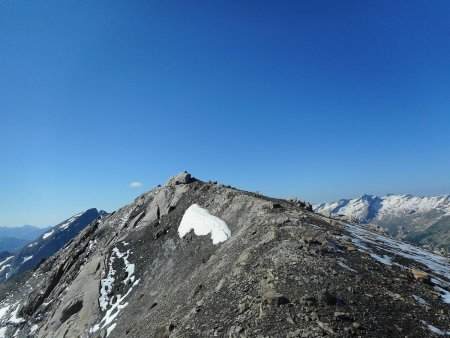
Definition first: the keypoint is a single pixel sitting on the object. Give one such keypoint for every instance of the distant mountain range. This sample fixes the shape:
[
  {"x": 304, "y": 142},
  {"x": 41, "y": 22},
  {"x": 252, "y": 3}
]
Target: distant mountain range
[
  {"x": 13, "y": 238},
  {"x": 421, "y": 220},
  {"x": 28, "y": 232},
  {"x": 46, "y": 244}
]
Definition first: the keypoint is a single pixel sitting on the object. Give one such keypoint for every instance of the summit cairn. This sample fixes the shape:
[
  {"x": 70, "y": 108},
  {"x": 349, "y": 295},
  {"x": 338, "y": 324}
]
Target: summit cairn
[{"x": 182, "y": 178}]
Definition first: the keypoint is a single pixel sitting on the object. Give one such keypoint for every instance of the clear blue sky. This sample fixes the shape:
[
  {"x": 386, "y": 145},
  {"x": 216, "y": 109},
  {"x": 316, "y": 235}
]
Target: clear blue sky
[{"x": 316, "y": 99}]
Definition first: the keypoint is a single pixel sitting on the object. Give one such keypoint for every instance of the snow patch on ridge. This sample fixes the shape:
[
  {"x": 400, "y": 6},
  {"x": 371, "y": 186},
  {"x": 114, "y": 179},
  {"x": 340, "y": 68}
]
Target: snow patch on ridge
[
  {"x": 48, "y": 234},
  {"x": 436, "y": 330},
  {"x": 114, "y": 305},
  {"x": 6, "y": 259},
  {"x": 203, "y": 223},
  {"x": 14, "y": 319},
  {"x": 26, "y": 259},
  {"x": 69, "y": 221},
  {"x": 4, "y": 310}
]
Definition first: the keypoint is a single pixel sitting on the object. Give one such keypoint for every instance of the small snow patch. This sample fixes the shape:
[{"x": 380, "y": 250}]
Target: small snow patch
[
  {"x": 114, "y": 306},
  {"x": 434, "y": 329},
  {"x": 342, "y": 265},
  {"x": 445, "y": 295},
  {"x": 26, "y": 259},
  {"x": 47, "y": 234},
  {"x": 203, "y": 223},
  {"x": 420, "y": 300},
  {"x": 6, "y": 259},
  {"x": 384, "y": 260},
  {"x": 34, "y": 328},
  {"x": 109, "y": 329},
  {"x": 14, "y": 319},
  {"x": 4, "y": 311},
  {"x": 4, "y": 267}
]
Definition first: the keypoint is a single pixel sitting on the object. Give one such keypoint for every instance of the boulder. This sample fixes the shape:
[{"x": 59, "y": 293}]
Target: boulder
[
  {"x": 182, "y": 178},
  {"x": 274, "y": 298},
  {"x": 421, "y": 276}
]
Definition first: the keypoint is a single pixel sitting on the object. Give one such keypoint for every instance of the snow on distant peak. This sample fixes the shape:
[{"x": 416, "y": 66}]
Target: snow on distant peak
[
  {"x": 67, "y": 223},
  {"x": 371, "y": 208},
  {"x": 203, "y": 223},
  {"x": 25, "y": 259},
  {"x": 48, "y": 234},
  {"x": 5, "y": 260}
]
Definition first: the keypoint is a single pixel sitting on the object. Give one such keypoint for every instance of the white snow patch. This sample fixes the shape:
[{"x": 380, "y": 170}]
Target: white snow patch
[
  {"x": 47, "y": 303},
  {"x": 4, "y": 267},
  {"x": 116, "y": 306},
  {"x": 112, "y": 313},
  {"x": 445, "y": 295},
  {"x": 34, "y": 328},
  {"x": 70, "y": 221},
  {"x": 48, "y": 234},
  {"x": 92, "y": 245},
  {"x": 435, "y": 329},
  {"x": 14, "y": 319},
  {"x": 345, "y": 266},
  {"x": 5, "y": 260},
  {"x": 203, "y": 223},
  {"x": 3, "y": 332},
  {"x": 385, "y": 259},
  {"x": 109, "y": 329},
  {"x": 106, "y": 283},
  {"x": 4, "y": 311},
  {"x": 420, "y": 300},
  {"x": 27, "y": 258},
  {"x": 31, "y": 245}
]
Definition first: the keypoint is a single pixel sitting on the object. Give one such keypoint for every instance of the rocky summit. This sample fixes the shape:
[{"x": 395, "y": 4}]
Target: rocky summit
[{"x": 200, "y": 259}]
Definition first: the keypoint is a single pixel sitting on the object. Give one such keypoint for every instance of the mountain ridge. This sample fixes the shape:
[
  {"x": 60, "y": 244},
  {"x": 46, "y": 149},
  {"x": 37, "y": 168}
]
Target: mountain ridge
[
  {"x": 281, "y": 270},
  {"x": 42, "y": 247}
]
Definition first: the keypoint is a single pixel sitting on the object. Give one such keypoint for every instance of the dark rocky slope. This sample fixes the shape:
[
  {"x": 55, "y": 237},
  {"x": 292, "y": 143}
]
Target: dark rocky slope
[
  {"x": 284, "y": 272},
  {"x": 45, "y": 245}
]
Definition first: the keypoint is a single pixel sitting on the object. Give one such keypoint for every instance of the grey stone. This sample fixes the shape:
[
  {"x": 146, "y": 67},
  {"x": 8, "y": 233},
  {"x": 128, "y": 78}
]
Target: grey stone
[{"x": 182, "y": 178}]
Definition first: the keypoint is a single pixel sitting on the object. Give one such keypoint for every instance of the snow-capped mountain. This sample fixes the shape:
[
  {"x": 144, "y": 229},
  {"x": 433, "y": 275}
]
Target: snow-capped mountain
[
  {"x": 199, "y": 259},
  {"x": 403, "y": 216},
  {"x": 46, "y": 244}
]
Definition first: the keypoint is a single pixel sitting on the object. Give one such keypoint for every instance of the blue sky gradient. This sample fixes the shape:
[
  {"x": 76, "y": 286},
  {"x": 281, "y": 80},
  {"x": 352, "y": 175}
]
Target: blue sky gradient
[{"x": 316, "y": 99}]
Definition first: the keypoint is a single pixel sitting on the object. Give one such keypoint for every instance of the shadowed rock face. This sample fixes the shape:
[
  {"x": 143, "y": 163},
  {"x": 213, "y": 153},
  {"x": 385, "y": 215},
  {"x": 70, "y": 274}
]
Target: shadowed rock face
[{"x": 284, "y": 272}]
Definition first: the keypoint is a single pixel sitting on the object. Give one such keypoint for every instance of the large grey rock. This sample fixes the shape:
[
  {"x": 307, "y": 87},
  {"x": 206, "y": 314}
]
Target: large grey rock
[{"x": 182, "y": 178}]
